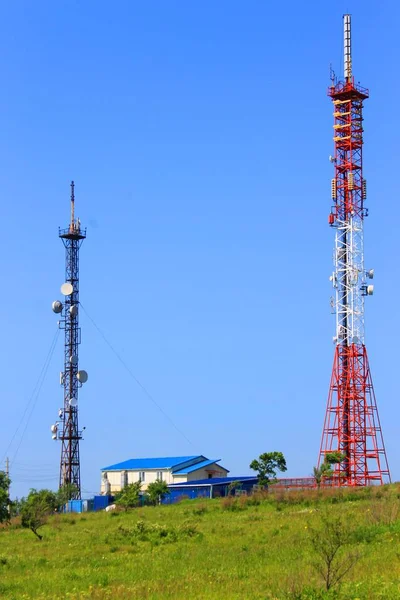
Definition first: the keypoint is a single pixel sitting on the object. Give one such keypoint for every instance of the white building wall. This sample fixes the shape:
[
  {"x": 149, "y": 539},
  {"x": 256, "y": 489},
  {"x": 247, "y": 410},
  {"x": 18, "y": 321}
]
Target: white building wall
[
  {"x": 116, "y": 478},
  {"x": 179, "y": 478},
  {"x": 203, "y": 473},
  {"x": 213, "y": 469}
]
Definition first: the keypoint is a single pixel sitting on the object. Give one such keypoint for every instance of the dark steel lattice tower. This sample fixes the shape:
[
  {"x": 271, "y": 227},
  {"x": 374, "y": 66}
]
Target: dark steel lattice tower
[
  {"x": 67, "y": 429},
  {"x": 352, "y": 427}
]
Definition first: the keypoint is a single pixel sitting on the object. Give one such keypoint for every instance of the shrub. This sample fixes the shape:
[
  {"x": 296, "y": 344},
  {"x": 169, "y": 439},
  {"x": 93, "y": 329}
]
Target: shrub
[
  {"x": 200, "y": 509},
  {"x": 328, "y": 542}
]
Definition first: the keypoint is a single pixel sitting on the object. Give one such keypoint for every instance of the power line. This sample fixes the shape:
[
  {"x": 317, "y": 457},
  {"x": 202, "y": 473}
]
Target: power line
[
  {"x": 33, "y": 398},
  {"x": 132, "y": 375}
]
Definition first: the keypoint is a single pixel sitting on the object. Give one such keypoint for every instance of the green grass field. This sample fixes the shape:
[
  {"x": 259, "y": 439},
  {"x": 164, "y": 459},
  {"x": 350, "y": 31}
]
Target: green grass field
[{"x": 244, "y": 548}]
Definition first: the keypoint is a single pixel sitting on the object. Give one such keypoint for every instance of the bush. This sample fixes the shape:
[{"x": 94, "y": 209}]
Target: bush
[
  {"x": 328, "y": 543},
  {"x": 200, "y": 509},
  {"x": 155, "y": 533}
]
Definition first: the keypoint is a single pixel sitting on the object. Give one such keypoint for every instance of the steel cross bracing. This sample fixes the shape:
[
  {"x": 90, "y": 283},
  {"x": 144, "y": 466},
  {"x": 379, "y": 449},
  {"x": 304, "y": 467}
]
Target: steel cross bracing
[
  {"x": 352, "y": 427},
  {"x": 70, "y": 435},
  {"x": 349, "y": 279}
]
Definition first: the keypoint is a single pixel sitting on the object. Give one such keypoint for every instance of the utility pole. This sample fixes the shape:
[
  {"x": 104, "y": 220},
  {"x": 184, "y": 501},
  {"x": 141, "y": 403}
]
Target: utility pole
[{"x": 8, "y": 487}]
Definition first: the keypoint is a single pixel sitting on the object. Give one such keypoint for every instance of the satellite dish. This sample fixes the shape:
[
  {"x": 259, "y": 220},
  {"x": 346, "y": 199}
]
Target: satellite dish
[
  {"x": 57, "y": 306},
  {"x": 73, "y": 402},
  {"x": 82, "y": 376},
  {"x": 73, "y": 359},
  {"x": 370, "y": 274},
  {"x": 67, "y": 289},
  {"x": 370, "y": 290},
  {"x": 53, "y": 429},
  {"x": 73, "y": 311},
  {"x": 54, "y": 436}
]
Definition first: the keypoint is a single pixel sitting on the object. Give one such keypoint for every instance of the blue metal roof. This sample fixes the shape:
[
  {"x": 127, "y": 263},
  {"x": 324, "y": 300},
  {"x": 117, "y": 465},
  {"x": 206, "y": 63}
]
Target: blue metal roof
[
  {"x": 134, "y": 464},
  {"x": 214, "y": 481},
  {"x": 195, "y": 467}
]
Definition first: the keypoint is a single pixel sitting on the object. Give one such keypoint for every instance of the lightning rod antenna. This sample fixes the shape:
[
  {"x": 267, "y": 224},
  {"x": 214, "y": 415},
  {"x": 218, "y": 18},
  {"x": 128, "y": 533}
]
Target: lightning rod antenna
[
  {"x": 347, "y": 47},
  {"x": 72, "y": 225}
]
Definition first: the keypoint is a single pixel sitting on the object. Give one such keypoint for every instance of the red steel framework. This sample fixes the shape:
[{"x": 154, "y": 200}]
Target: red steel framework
[{"x": 352, "y": 425}]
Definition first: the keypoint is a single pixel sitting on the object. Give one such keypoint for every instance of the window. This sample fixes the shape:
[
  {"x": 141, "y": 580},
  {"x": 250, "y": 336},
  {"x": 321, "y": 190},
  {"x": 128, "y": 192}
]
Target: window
[
  {"x": 159, "y": 475},
  {"x": 210, "y": 476},
  {"x": 142, "y": 476}
]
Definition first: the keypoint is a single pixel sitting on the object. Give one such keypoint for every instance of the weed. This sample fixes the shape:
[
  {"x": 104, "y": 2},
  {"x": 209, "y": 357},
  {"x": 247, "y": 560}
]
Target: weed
[
  {"x": 200, "y": 509},
  {"x": 384, "y": 513},
  {"x": 328, "y": 542}
]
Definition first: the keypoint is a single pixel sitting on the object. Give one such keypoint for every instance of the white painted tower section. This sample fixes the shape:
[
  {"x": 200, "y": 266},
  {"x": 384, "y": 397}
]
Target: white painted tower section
[
  {"x": 349, "y": 277},
  {"x": 347, "y": 47}
]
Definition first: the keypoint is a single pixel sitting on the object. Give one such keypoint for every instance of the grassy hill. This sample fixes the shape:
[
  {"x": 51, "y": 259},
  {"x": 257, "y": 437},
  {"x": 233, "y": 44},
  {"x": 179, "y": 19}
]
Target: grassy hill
[{"x": 243, "y": 548}]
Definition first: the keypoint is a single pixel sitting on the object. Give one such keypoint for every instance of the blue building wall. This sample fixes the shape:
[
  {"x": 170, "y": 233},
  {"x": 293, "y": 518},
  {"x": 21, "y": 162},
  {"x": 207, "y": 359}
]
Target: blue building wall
[
  {"x": 93, "y": 504},
  {"x": 207, "y": 488}
]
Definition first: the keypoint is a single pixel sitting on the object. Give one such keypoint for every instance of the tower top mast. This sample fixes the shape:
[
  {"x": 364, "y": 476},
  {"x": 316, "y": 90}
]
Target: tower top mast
[
  {"x": 347, "y": 48},
  {"x": 72, "y": 224}
]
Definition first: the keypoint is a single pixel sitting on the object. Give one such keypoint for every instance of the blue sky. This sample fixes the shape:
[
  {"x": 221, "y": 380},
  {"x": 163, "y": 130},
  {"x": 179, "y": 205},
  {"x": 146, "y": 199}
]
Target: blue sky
[{"x": 198, "y": 136}]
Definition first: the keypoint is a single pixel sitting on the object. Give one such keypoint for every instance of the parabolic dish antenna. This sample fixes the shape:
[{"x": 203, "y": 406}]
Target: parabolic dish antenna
[
  {"x": 57, "y": 306},
  {"x": 73, "y": 359},
  {"x": 67, "y": 289},
  {"x": 73, "y": 311},
  {"x": 82, "y": 376},
  {"x": 73, "y": 402}
]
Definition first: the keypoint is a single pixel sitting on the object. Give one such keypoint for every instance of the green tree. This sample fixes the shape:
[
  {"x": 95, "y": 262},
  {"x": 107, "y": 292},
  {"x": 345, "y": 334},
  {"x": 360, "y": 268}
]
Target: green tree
[
  {"x": 36, "y": 508},
  {"x": 233, "y": 486},
  {"x": 157, "y": 490},
  {"x": 325, "y": 471},
  {"x": 129, "y": 496},
  {"x": 267, "y": 465},
  {"x": 4, "y": 497},
  {"x": 65, "y": 493},
  {"x": 334, "y": 458},
  {"x": 318, "y": 473}
]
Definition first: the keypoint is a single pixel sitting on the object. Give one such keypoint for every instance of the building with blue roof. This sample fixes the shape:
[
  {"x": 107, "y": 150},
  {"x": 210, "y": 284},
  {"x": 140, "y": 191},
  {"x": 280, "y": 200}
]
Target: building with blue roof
[
  {"x": 210, "y": 488},
  {"x": 173, "y": 470}
]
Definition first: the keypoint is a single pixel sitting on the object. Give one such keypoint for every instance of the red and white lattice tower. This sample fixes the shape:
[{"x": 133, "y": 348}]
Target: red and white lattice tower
[{"x": 352, "y": 425}]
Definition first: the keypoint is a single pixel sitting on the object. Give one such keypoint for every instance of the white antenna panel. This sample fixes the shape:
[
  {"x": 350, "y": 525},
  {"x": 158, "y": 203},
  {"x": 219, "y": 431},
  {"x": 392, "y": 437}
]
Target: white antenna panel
[{"x": 67, "y": 289}]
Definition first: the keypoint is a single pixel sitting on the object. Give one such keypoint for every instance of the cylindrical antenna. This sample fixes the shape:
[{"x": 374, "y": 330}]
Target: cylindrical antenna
[
  {"x": 72, "y": 225},
  {"x": 347, "y": 47}
]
